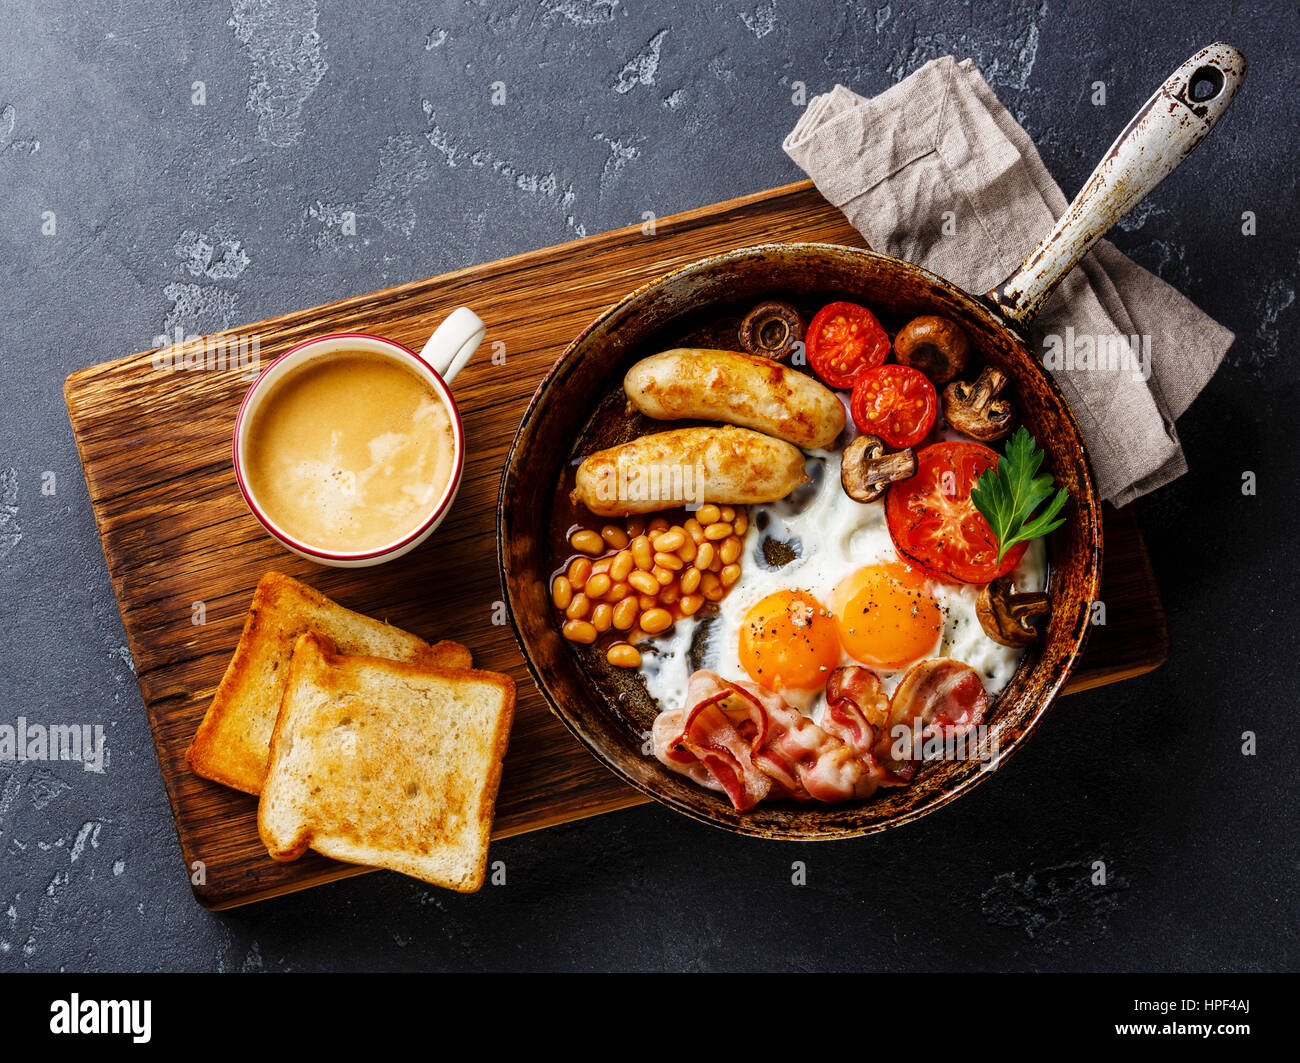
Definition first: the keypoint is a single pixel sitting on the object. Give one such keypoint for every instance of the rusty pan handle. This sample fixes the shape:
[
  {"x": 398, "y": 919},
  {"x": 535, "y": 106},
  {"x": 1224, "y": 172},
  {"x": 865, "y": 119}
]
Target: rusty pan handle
[{"x": 1160, "y": 136}]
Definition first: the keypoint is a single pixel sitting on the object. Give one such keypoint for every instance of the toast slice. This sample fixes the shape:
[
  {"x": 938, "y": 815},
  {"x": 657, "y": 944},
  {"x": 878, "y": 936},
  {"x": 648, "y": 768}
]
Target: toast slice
[
  {"x": 386, "y": 764},
  {"x": 233, "y": 743}
]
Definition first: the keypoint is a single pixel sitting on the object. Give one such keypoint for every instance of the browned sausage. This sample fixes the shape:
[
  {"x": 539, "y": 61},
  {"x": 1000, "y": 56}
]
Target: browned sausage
[
  {"x": 727, "y": 465},
  {"x": 741, "y": 389}
]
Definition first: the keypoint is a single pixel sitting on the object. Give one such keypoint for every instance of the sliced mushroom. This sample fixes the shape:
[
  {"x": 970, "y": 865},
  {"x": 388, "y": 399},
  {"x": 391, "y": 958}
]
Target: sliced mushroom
[
  {"x": 866, "y": 469},
  {"x": 976, "y": 409},
  {"x": 1007, "y": 617},
  {"x": 936, "y": 346},
  {"x": 771, "y": 330}
]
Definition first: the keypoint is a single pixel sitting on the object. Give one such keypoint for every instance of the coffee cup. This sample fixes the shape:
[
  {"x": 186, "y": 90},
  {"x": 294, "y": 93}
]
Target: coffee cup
[{"x": 349, "y": 448}]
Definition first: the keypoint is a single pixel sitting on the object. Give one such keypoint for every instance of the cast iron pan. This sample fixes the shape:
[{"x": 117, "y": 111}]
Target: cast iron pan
[{"x": 579, "y": 407}]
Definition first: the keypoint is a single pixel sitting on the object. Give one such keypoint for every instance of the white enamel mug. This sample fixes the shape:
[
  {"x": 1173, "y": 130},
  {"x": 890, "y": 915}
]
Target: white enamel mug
[{"x": 443, "y": 356}]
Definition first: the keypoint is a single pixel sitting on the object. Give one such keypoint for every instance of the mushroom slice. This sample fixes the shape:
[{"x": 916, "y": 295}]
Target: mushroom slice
[
  {"x": 866, "y": 469},
  {"x": 976, "y": 409},
  {"x": 936, "y": 346},
  {"x": 771, "y": 330},
  {"x": 1007, "y": 617}
]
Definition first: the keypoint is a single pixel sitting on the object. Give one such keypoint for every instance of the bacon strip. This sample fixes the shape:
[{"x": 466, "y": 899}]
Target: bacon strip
[
  {"x": 856, "y": 706},
  {"x": 857, "y": 710},
  {"x": 945, "y": 696},
  {"x": 705, "y": 735},
  {"x": 746, "y": 742}
]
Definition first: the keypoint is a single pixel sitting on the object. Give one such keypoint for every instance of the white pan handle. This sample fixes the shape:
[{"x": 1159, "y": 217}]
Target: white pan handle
[
  {"x": 454, "y": 343},
  {"x": 1161, "y": 135}
]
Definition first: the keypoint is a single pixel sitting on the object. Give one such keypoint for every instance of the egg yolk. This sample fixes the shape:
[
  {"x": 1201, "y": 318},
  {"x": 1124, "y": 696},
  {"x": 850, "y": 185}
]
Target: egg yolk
[
  {"x": 885, "y": 617},
  {"x": 788, "y": 640}
]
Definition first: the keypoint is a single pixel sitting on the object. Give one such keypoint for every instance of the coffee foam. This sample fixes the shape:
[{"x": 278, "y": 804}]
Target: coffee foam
[{"x": 351, "y": 453}]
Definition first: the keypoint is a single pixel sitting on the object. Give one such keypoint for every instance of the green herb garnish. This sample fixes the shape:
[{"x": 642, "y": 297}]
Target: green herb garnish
[{"x": 1008, "y": 494}]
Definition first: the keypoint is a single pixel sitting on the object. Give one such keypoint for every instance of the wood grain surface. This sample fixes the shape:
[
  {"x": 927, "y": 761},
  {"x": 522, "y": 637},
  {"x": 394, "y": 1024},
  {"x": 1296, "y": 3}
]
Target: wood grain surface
[{"x": 155, "y": 444}]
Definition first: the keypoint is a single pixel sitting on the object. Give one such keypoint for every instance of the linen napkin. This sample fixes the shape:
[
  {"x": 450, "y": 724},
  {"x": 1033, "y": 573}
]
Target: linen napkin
[{"x": 936, "y": 171}]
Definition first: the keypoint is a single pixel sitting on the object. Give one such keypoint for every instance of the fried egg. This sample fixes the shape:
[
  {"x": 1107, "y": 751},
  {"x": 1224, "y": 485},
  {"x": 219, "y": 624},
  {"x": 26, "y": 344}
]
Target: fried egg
[{"x": 822, "y": 586}]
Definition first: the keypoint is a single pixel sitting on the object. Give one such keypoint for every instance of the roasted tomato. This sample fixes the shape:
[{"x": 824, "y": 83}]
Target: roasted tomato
[
  {"x": 934, "y": 523},
  {"x": 896, "y": 403},
  {"x": 843, "y": 340}
]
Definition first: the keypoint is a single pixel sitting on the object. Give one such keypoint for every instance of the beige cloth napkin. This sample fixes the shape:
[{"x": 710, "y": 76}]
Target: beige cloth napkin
[{"x": 939, "y": 141}]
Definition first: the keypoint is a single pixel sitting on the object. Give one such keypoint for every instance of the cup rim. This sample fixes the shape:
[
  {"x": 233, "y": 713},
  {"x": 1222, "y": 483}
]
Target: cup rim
[{"x": 449, "y": 492}]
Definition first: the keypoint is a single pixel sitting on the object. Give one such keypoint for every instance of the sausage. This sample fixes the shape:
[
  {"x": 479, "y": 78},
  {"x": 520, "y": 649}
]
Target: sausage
[
  {"x": 688, "y": 466},
  {"x": 741, "y": 389}
]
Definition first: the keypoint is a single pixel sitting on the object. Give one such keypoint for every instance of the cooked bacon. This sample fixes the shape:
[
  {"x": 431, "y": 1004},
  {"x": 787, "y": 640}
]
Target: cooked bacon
[
  {"x": 746, "y": 742},
  {"x": 857, "y": 710},
  {"x": 715, "y": 732},
  {"x": 666, "y": 733},
  {"x": 807, "y": 762},
  {"x": 856, "y": 706},
  {"x": 945, "y": 696}
]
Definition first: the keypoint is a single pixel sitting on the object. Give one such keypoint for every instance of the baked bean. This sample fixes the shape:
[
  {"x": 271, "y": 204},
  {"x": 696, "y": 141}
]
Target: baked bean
[
  {"x": 694, "y": 529},
  {"x": 714, "y": 532},
  {"x": 659, "y": 524},
  {"x": 669, "y": 540},
  {"x": 729, "y": 574},
  {"x": 625, "y": 613},
  {"x": 587, "y": 542},
  {"x": 579, "y": 631},
  {"x": 579, "y": 570},
  {"x": 654, "y": 621},
  {"x": 602, "y": 616},
  {"x": 690, "y": 580},
  {"x": 704, "y": 558},
  {"x": 624, "y": 655},
  {"x": 617, "y": 592},
  {"x": 635, "y": 526},
  {"x": 598, "y": 586},
  {"x": 729, "y": 550},
  {"x": 728, "y": 514},
  {"x": 688, "y": 550},
  {"x": 740, "y": 524},
  {"x": 642, "y": 555},
  {"x": 597, "y": 567},
  {"x": 708, "y": 513},
  {"x": 711, "y": 587},
  {"x": 643, "y": 582},
  {"x": 670, "y": 561},
  {"x": 579, "y": 607},
  {"x": 716, "y": 564},
  {"x": 561, "y": 592},
  {"x": 663, "y": 575},
  {"x": 691, "y": 604},
  {"x": 647, "y": 601},
  {"x": 621, "y": 566},
  {"x": 615, "y": 536},
  {"x": 669, "y": 594}
]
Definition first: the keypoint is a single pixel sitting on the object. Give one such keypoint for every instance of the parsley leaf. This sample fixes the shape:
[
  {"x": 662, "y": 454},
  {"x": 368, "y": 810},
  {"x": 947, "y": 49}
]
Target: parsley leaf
[{"x": 1008, "y": 494}]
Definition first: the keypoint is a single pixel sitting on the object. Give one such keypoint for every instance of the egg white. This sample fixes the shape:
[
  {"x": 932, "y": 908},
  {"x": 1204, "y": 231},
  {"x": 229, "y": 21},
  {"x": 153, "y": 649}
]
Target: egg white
[{"x": 835, "y": 537}]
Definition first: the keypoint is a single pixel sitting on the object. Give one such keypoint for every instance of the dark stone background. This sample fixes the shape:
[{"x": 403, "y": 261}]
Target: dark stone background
[{"x": 171, "y": 214}]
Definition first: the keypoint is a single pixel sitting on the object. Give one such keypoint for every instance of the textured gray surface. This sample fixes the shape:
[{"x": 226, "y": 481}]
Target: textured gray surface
[{"x": 170, "y": 214}]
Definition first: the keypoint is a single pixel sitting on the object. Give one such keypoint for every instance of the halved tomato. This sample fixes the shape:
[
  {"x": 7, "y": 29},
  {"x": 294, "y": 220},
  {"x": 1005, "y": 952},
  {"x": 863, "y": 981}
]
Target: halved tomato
[
  {"x": 934, "y": 523},
  {"x": 843, "y": 340},
  {"x": 896, "y": 403}
]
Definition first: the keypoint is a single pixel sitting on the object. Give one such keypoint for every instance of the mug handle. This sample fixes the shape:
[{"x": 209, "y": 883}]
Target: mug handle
[{"x": 453, "y": 343}]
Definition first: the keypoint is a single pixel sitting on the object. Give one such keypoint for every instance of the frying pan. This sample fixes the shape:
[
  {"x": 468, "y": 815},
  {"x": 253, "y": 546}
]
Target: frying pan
[{"x": 579, "y": 407}]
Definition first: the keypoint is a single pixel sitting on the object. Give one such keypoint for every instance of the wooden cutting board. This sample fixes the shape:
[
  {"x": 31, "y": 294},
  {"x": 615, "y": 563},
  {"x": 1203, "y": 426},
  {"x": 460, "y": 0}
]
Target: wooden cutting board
[{"x": 184, "y": 553}]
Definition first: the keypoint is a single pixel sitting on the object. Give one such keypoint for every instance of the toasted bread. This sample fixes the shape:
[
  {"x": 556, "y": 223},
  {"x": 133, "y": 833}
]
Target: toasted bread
[
  {"x": 233, "y": 743},
  {"x": 386, "y": 764}
]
